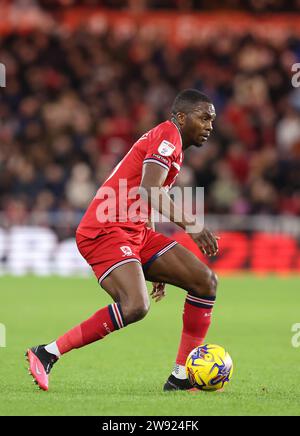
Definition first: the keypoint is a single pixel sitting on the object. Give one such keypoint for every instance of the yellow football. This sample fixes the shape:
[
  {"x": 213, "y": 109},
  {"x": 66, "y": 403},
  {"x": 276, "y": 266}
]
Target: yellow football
[{"x": 209, "y": 367}]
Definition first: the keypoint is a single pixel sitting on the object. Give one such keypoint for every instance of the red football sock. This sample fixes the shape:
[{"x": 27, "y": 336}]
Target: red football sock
[
  {"x": 196, "y": 321},
  {"x": 102, "y": 323}
]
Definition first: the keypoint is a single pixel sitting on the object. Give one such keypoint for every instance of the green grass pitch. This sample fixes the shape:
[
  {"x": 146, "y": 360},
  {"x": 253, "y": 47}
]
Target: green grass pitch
[{"x": 124, "y": 373}]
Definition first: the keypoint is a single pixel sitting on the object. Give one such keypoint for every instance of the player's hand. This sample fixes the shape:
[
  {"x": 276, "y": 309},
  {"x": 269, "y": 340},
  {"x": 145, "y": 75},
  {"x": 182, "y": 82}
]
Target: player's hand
[
  {"x": 206, "y": 241},
  {"x": 158, "y": 291}
]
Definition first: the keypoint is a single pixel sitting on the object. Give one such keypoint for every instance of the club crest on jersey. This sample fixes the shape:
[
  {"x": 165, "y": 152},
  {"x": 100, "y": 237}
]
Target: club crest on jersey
[
  {"x": 166, "y": 148},
  {"x": 126, "y": 250}
]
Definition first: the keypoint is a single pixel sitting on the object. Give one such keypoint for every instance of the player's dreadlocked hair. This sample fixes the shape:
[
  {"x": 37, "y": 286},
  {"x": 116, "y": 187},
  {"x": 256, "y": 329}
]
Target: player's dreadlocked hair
[{"x": 187, "y": 99}]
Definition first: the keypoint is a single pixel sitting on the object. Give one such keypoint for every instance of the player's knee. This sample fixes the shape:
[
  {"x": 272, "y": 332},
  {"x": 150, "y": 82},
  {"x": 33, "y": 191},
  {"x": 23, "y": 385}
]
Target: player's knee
[
  {"x": 214, "y": 282},
  {"x": 135, "y": 312},
  {"x": 207, "y": 284},
  {"x": 211, "y": 284}
]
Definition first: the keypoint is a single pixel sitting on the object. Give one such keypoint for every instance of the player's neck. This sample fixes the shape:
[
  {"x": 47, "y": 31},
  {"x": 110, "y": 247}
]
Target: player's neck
[{"x": 184, "y": 142}]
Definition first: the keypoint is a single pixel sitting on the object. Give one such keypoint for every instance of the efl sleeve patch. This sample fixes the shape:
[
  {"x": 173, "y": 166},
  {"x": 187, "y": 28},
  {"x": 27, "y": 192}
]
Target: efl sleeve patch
[{"x": 166, "y": 148}]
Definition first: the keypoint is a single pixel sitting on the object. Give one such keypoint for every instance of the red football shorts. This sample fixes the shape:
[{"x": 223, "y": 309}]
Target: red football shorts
[{"x": 117, "y": 246}]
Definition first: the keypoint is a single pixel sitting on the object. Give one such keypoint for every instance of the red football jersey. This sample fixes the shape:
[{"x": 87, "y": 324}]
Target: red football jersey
[{"x": 116, "y": 202}]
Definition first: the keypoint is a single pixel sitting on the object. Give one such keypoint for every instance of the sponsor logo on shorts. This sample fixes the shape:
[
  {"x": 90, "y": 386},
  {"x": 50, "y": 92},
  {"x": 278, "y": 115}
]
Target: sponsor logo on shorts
[{"x": 126, "y": 250}]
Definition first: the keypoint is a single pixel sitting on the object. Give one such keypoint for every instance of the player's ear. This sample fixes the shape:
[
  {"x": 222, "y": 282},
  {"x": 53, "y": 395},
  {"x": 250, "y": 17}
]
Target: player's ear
[{"x": 181, "y": 117}]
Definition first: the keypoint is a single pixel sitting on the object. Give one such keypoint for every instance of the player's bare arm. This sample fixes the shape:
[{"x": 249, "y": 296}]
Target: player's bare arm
[
  {"x": 158, "y": 288},
  {"x": 154, "y": 176}
]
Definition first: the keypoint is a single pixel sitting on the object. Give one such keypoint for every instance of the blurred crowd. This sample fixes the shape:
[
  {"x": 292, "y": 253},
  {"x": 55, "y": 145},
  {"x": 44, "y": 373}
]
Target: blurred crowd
[
  {"x": 256, "y": 6},
  {"x": 74, "y": 104}
]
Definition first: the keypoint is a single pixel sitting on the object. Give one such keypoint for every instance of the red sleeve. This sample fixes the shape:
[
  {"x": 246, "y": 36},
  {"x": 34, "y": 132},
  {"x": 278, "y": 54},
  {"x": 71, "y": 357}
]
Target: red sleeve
[{"x": 164, "y": 145}]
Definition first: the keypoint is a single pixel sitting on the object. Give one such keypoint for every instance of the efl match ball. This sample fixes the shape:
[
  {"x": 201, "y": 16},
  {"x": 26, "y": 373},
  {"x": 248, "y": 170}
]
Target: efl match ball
[{"x": 209, "y": 367}]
